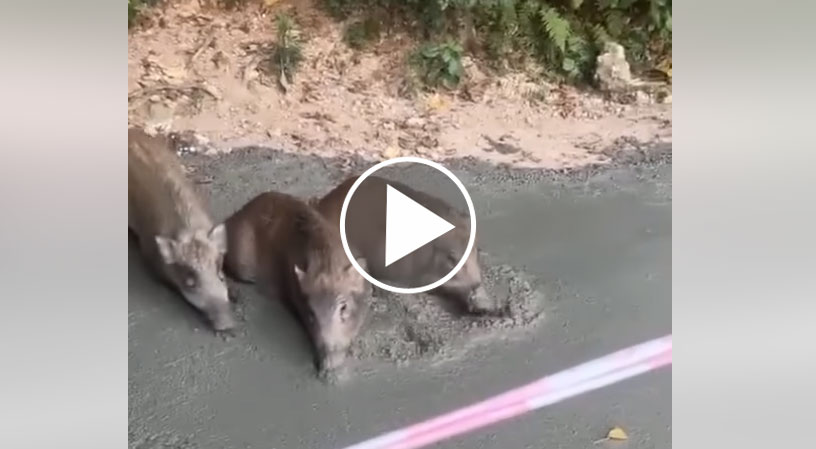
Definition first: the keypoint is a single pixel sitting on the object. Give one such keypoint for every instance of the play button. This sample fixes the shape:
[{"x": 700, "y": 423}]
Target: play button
[{"x": 408, "y": 225}]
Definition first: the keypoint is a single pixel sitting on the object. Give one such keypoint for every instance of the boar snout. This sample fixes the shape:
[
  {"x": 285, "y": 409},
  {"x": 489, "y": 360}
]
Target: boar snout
[
  {"x": 330, "y": 359},
  {"x": 221, "y": 317}
]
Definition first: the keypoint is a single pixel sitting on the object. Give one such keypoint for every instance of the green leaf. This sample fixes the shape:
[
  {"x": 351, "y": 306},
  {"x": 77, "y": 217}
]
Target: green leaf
[
  {"x": 558, "y": 28},
  {"x": 615, "y": 22},
  {"x": 654, "y": 13},
  {"x": 454, "y": 67},
  {"x": 576, "y": 3},
  {"x": 430, "y": 52},
  {"x": 606, "y": 4},
  {"x": 569, "y": 65},
  {"x": 599, "y": 35}
]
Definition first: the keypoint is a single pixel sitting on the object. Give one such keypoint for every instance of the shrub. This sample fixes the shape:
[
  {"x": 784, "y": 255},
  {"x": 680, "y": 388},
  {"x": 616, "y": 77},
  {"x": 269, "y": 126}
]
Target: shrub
[
  {"x": 439, "y": 65},
  {"x": 360, "y": 33},
  {"x": 135, "y": 7},
  {"x": 288, "y": 54},
  {"x": 565, "y": 36}
]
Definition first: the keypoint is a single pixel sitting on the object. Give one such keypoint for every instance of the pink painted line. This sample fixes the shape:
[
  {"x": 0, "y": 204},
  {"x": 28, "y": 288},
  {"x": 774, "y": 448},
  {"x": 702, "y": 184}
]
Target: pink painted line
[
  {"x": 562, "y": 379},
  {"x": 515, "y": 409},
  {"x": 548, "y": 390}
]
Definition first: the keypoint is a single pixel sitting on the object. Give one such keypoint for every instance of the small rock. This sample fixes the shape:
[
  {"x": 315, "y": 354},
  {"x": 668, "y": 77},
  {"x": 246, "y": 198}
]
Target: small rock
[
  {"x": 221, "y": 60},
  {"x": 642, "y": 97},
  {"x": 414, "y": 122},
  {"x": 612, "y": 72},
  {"x": 155, "y": 98},
  {"x": 390, "y": 152},
  {"x": 176, "y": 72}
]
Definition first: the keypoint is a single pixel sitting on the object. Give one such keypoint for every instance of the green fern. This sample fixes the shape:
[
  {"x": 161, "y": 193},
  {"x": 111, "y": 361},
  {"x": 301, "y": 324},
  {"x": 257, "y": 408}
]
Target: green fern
[
  {"x": 558, "y": 28},
  {"x": 527, "y": 15},
  {"x": 579, "y": 50},
  {"x": 615, "y": 22},
  {"x": 599, "y": 35}
]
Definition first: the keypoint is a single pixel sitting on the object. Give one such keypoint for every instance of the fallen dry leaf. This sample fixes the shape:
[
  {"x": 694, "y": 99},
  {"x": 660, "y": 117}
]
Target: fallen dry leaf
[
  {"x": 436, "y": 102},
  {"x": 617, "y": 434},
  {"x": 178, "y": 73},
  {"x": 390, "y": 152}
]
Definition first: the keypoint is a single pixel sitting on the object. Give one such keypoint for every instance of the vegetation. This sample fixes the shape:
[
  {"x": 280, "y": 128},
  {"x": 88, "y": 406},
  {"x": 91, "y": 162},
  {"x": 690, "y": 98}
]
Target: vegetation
[
  {"x": 135, "y": 8},
  {"x": 439, "y": 64},
  {"x": 565, "y": 36},
  {"x": 288, "y": 54},
  {"x": 362, "y": 32}
]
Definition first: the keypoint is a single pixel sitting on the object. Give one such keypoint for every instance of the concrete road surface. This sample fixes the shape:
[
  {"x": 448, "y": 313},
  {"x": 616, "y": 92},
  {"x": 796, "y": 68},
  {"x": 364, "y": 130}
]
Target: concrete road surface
[{"x": 596, "y": 245}]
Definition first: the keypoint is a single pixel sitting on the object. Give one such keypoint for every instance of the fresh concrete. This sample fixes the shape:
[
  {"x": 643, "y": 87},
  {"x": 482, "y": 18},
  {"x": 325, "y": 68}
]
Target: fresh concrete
[{"x": 596, "y": 244}]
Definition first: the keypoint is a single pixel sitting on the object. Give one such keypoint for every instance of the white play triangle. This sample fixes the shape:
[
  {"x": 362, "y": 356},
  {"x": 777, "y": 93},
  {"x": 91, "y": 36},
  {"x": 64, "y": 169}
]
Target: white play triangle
[{"x": 408, "y": 225}]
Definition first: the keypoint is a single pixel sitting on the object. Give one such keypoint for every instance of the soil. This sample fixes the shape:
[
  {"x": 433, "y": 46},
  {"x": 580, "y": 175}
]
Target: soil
[
  {"x": 403, "y": 329},
  {"x": 195, "y": 68}
]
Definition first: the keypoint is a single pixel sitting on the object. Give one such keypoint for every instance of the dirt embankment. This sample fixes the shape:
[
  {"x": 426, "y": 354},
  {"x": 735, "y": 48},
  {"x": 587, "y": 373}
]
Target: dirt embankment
[{"x": 195, "y": 68}]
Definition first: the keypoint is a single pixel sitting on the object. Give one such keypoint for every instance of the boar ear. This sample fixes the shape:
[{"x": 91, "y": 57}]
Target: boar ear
[
  {"x": 343, "y": 310},
  {"x": 299, "y": 273},
  {"x": 218, "y": 235},
  {"x": 166, "y": 249}
]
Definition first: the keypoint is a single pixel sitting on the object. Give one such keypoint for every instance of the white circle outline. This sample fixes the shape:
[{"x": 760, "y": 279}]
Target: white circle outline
[{"x": 471, "y": 211}]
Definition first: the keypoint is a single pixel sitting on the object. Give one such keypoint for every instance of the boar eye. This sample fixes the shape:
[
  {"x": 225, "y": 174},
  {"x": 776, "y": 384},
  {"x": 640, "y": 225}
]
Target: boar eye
[
  {"x": 343, "y": 311},
  {"x": 187, "y": 276}
]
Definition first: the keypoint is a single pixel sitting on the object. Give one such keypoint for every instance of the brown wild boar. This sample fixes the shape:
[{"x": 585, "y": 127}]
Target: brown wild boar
[
  {"x": 291, "y": 251},
  {"x": 365, "y": 231},
  {"x": 175, "y": 233}
]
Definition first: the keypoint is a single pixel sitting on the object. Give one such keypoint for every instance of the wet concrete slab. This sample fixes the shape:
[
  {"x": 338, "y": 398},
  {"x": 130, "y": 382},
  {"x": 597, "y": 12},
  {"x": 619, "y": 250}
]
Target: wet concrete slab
[{"x": 590, "y": 250}]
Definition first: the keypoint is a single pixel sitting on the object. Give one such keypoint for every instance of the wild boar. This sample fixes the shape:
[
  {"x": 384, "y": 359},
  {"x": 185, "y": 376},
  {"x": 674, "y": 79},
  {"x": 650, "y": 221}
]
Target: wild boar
[
  {"x": 365, "y": 232},
  {"x": 284, "y": 245},
  {"x": 175, "y": 233}
]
